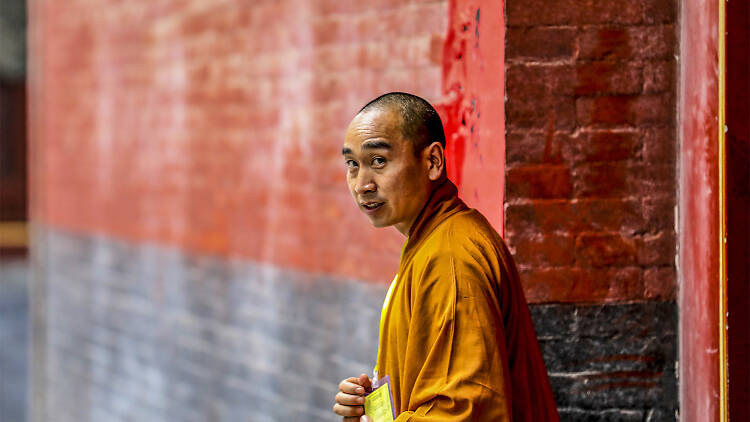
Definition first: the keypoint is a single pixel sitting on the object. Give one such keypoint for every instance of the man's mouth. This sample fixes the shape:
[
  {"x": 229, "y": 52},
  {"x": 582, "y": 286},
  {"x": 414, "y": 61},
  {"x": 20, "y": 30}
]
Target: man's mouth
[{"x": 372, "y": 206}]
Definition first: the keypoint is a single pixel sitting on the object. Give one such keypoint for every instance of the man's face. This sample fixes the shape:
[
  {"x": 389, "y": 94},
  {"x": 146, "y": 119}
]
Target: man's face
[{"x": 388, "y": 181}]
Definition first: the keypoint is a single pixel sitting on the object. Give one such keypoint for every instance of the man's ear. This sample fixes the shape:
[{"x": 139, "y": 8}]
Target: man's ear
[{"x": 435, "y": 160}]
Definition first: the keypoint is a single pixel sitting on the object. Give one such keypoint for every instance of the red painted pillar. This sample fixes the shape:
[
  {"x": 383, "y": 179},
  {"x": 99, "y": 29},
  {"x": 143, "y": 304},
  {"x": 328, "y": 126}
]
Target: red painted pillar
[{"x": 699, "y": 213}]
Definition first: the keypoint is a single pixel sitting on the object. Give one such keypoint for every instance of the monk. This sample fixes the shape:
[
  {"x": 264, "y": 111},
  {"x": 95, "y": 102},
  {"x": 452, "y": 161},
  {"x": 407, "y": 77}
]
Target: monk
[{"x": 456, "y": 337}]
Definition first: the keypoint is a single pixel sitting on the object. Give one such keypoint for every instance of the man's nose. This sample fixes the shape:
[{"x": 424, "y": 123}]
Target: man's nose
[{"x": 365, "y": 187}]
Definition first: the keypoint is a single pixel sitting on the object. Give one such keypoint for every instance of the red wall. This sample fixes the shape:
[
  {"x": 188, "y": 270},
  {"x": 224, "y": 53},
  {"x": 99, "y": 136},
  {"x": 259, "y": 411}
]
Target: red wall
[
  {"x": 473, "y": 109},
  {"x": 218, "y": 128}
]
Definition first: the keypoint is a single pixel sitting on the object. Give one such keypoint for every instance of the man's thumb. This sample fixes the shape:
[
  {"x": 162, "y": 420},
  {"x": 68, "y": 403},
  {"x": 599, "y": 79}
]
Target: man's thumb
[{"x": 364, "y": 381}]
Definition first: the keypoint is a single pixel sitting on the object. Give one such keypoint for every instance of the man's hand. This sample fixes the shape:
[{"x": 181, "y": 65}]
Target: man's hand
[{"x": 350, "y": 399}]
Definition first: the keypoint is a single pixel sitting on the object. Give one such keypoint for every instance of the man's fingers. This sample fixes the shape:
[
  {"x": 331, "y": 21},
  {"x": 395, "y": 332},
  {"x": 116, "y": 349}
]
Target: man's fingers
[
  {"x": 349, "y": 399},
  {"x": 351, "y": 386},
  {"x": 343, "y": 410}
]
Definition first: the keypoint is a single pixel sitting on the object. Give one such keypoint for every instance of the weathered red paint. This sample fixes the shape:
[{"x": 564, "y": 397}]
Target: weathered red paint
[
  {"x": 473, "y": 111},
  {"x": 219, "y": 129},
  {"x": 229, "y": 144},
  {"x": 699, "y": 213}
]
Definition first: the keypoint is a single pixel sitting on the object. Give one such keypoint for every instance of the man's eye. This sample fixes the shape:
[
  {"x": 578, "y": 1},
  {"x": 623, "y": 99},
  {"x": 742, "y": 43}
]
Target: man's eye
[
  {"x": 378, "y": 162},
  {"x": 351, "y": 164}
]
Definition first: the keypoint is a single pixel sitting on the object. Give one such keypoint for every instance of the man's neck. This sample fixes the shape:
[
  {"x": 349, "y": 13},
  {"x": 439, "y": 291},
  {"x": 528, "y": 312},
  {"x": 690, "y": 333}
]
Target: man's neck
[{"x": 405, "y": 227}]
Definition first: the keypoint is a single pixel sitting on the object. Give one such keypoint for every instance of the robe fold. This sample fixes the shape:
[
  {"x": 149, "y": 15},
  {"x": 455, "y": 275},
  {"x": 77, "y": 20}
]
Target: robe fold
[{"x": 456, "y": 336}]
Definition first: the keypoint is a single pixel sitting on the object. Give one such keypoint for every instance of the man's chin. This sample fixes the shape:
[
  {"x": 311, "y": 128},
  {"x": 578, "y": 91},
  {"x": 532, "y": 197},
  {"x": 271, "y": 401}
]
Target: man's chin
[{"x": 379, "y": 223}]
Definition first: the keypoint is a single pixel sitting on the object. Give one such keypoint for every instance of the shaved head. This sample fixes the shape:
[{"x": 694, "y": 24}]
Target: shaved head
[{"x": 420, "y": 123}]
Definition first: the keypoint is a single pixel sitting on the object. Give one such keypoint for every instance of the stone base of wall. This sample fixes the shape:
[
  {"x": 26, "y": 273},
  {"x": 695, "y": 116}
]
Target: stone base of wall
[
  {"x": 143, "y": 332},
  {"x": 611, "y": 362}
]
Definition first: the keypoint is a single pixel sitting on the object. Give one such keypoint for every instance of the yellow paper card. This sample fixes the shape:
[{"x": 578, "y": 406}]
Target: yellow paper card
[{"x": 379, "y": 404}]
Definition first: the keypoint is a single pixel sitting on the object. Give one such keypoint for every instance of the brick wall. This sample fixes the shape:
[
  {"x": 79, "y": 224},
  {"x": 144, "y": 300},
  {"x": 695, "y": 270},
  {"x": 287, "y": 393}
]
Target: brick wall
[
  {"x": 590, "y": 194},
  {"x": 591, "y": 148}
]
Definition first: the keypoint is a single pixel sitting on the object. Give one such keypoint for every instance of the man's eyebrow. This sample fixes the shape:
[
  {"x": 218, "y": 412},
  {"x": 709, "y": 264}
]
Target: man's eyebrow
[
  {"x": 368, "y": 145},
  {"x": 376, "y": 145}
]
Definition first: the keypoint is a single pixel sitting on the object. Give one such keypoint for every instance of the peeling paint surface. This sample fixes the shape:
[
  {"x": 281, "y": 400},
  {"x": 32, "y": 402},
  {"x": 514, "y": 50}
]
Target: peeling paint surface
[{"x": 473, "y": 107}]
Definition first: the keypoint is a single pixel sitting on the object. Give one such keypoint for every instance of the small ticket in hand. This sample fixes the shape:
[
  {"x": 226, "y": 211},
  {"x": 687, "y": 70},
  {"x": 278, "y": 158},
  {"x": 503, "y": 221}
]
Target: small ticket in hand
[{"x": 379, "y": 402}]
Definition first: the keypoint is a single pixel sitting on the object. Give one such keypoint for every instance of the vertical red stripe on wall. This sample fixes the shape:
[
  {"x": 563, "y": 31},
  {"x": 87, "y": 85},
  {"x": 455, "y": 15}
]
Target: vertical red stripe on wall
[{"x": 473, "y": 107}]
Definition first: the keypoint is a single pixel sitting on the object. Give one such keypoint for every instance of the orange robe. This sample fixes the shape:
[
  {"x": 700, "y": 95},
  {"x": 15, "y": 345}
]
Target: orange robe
[{"x": 456, "y": 336}]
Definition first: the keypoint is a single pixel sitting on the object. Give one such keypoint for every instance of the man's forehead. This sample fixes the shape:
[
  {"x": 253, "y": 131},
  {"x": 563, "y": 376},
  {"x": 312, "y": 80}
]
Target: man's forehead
[
  {"x": 374, "y": 129},
  {"x": 385, "y": 119}
]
